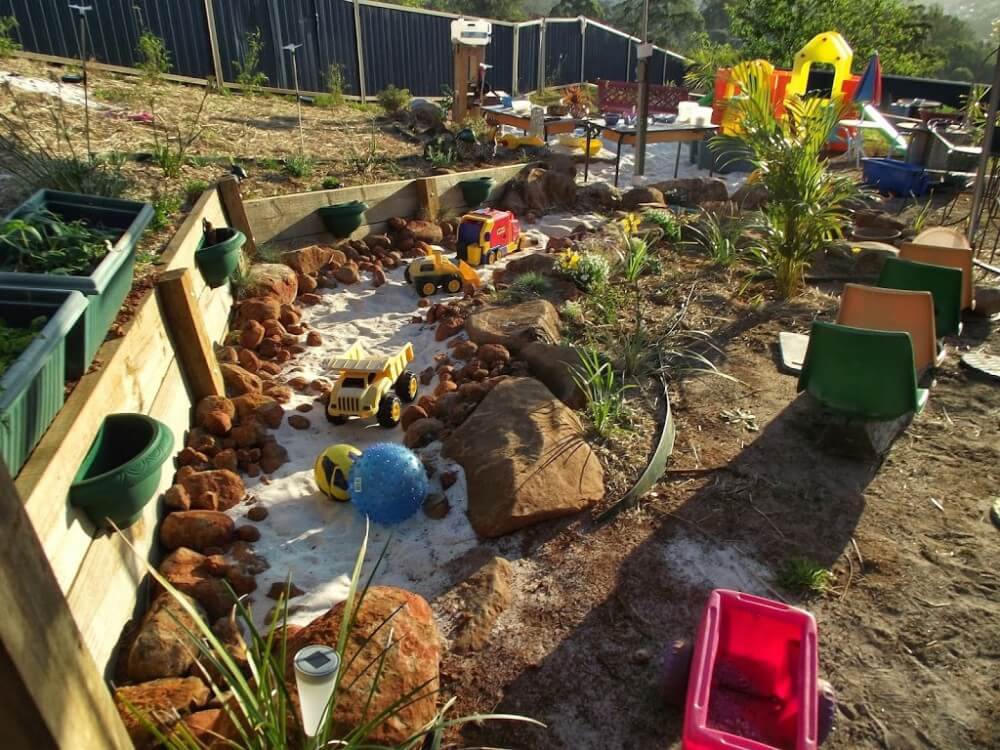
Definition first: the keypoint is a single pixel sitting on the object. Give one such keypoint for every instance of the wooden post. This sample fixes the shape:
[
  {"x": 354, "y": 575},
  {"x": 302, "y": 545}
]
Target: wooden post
[
  {"x": 51, "y": 694},
  {"x": 427, "y": 198},
  {"x": 191, "y": 343},
  {"x": 213, "y": 41},
  {"x": 232, "y": 202},
  {"x": 360, "y": 49}
]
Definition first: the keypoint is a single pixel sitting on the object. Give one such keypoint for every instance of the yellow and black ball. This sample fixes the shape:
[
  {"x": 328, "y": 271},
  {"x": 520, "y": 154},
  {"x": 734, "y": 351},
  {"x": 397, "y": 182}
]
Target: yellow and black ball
[{"x": 331, "y": 470}]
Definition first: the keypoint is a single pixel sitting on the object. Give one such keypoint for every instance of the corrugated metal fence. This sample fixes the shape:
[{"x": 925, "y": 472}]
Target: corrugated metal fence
[{"x": 373, "y": 44}]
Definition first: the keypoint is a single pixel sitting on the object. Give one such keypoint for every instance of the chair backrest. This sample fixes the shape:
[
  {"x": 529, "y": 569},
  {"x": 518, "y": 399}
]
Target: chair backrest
[
  {"x": 945, "y": 284},
  {"x": 623, "y": 97},
  {"x": 879, "y": 309},
  {"x": 860, "y": 372},
  {"x": 939, "y": 255},
  {"x": 942, "y": 237}
]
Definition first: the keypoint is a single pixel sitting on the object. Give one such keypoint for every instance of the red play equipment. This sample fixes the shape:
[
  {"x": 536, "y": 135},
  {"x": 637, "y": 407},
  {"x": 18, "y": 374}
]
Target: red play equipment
[{"x": 750, "y": 681}]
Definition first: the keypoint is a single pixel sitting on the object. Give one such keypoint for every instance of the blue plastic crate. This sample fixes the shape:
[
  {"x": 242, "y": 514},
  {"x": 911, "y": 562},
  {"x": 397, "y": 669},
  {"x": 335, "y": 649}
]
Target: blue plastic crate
[{"x": 894, "y": 176}]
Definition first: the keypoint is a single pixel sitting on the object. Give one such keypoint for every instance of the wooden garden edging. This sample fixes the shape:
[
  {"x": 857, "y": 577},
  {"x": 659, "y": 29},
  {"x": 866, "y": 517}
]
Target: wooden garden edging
[
  {"x": 292, "y": 219},
  {"x": 139, "y": 372}
]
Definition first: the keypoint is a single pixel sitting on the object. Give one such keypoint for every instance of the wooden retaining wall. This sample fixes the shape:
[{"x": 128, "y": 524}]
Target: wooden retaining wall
[
  {"x": 288, "y": 220},
  {"x": 138, "y": 372}
]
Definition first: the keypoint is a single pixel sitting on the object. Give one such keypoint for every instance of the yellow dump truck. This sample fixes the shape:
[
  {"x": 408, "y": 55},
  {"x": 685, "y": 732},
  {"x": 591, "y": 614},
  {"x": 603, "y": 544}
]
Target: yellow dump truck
[
  {"x": 371, "y": 385},
  {"x": 434, "y": 271}
]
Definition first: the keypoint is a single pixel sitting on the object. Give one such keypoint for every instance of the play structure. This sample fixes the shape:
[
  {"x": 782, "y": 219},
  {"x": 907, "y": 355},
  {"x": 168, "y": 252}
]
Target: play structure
[
  {"x": 869, "y": 364},
  {"x": 751, "y": 678},
  {"x": 371, "y": 386}
]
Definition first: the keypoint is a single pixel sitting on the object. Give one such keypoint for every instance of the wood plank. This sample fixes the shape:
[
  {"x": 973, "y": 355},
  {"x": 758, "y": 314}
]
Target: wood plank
[
  {"x": 192, "y": 344},
  {"x": 44, "y": 646},
  {"x": 232, "y": 202},
  {"x": 427, "y": 199},
  {"x": 213, "y": 41}
]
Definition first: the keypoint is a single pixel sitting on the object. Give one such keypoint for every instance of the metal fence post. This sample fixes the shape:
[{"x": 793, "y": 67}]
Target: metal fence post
[
  {"x": 628, "y": 60},
  {"x": 583, "y": 48},
  {"x": 514, "y": 88},
  {"x": 541, "y": 55},
  {"x": 359, "y": 46}
]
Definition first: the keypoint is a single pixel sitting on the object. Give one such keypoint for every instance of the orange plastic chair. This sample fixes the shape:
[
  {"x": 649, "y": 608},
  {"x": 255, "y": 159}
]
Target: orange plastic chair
[
  {"x": 879, "y": 309},
  {"x": 942, "y": 237},
  {"x": 950, "y": 257}
]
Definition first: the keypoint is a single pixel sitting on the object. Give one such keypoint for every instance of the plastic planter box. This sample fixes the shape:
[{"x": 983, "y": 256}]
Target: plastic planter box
[
  {"x": 893, "y": 176},
  {"x": 32, "y": 390},
  {"x": 108, "y": 284}
]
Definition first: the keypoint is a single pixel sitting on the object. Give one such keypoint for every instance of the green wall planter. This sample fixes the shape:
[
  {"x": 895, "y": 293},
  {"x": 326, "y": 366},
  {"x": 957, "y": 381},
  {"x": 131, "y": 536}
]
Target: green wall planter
[
  {"x": 32, "y": 391},
  {"x": 341, "y": 219},
  {"x": 107, "y": 285},
  {"x": 121, "y": 471},
  {"x": 219, "y": 255},
  {"x": 476, "y": 191}
]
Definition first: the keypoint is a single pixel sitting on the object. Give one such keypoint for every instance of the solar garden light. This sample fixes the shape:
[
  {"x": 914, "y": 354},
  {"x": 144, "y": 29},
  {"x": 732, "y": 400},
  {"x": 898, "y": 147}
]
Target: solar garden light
[
  {"x": 290, "y": 48},
  {"x": 81, "y": 41},
  {"x": 316, "y": 668}
]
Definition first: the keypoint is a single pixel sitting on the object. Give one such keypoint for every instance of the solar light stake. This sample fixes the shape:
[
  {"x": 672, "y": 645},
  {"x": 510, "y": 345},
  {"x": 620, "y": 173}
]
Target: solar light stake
[
  {"x": 316, "y": 670},
  {"x": 81, "y": 40},
  {"x": 298, "y": 99}
]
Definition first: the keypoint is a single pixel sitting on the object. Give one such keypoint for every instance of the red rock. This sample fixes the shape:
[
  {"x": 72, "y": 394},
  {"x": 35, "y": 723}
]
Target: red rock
[
  {"x": 427, "y": 375},
  {"x": 196, "y": 529},
  {"x": 422, "y": 432},
  {"x": 408, "y": 669},
  {"x": 271, "y": 368},
  {"x": 227, "y": 354},
  {"x": 425, "y": 231},
  {"x": 264, "y": 408},
  {"x": 252, "y": 334},
  {"x": 307, "y": 260},
  {"x": 445, "y": 386},
  {"x": 307, "y": 284},
  {"x": 248, "y": 533},
  {"x": 492, "y": 354},
  {"x": 213, "y": 403},
  {"x": 192, "y": 573},
  {"x": 411, "y": 414},
  {"x": 298, "y": 422},
  {"x": 162, "y": 646},
  {"x": 160, "y": 701},
  {"x": 280, "y": 589},
  {"x": 290, "y": 315},
  {"x": 191, "y": 457},
  {"x": 428, "y": 404},
  {"x": 474, "y": 392},
  {"x": 249, "y": 361},
  {"x": 269, "y": 349},
  {"x": 480, "y": 374},
  {"x": 378, "y": 277},
  {"x": 310, "y": 299},
  {"x": 423, "y": 302},
  {"x": 448, "y": 478},
  {"x": 257, "y": 513},
  {"x": 348, "y": 273},
  {"x": 314, "y": 339},
  {"x": 447, "y": 328},
  {"x": 225, "y": 486},
  {"x": 283, "y": 355},
  {"x": 252, "y": 470},
  {"x": 225, "y": 459},
  {"x": 176, "y": 498},
  {"x": 257, "y": 309},
  {"x": 274, "y": 280},
  {"x": 465, "y": 350},
  {"x": 249, "y": 434},
  {"x": 272, "y": 457},
  {"x": 239, "y": 381},
  {"x": 274, "y": 328}
]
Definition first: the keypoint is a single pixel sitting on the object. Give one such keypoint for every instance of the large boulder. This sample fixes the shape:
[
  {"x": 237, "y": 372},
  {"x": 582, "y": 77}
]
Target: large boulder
[
  {"x": 256, "y": 309},
  {"x": 642, "y": 196},
  {"x": 408, "y": 673},
  {"x": 599, "y": 196},
  {"x": 525, "y": 459},
  {"x": 425, "y": 231},
  {"x": 307, "y": 260},
  {"x": 162, "y": 702},
  {"x": 240, "y": 381},
  {"x": 514, "y": 326},
  {"x": 162, "y": 646},
  {"x": 197, "y": 529},
  {"x": 533, "y": 262},
  {"x": 553, "y": 365},
  {"x": 694, "y": 191},
  {"x": 275, "y": 280}
]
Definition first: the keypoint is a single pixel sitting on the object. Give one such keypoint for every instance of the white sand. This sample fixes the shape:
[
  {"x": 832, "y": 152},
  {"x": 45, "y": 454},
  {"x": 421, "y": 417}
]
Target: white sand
[
  {"x": 703, "y": 566},
  {"x": 69, "y": 93}
]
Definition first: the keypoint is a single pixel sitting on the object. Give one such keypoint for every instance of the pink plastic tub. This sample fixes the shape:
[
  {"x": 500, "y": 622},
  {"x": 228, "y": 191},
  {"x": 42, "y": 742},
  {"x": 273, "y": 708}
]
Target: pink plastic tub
[{"x": 753, "y": 677}]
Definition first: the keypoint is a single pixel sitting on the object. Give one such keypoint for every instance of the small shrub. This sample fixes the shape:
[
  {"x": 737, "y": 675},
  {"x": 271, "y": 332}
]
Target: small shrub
[
  {"x": 572, "y": 312},
  {"x": 804, "y": 575},
  {"x": 300, "y": 165},
  {"x": 600, "y": 385},
  {"x": 666, "y": 222},
  {"x": 164, "y": 206},
  {"x": 588, "y": 270},
  {"x": 330, "y": 183},
  {"x": 168, "y": 159},
  {"x": 248, "y": 73},
  {"x": 334, "y": 86},
  {"x": 393, "y": 100},
  {"x": 719, "y": 238},
  {"x": 526, "y": 286},
  {"x": 7, "y": 44},
  {"x": 154, "y": 57},
  {"x": 194, "y": 188},
  {"x": 440, "y": 156}
]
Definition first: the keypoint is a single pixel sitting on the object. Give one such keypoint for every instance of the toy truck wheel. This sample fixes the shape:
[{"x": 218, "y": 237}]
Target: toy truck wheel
[
  {"x": 389, "y": 411},
  {"x": 406, "y": 386},
  {"x": 454, "y": 285},
  {"x": 675, "y": 672},
  {"x": 406, "y": 275},
  {"x": 826, "y": 710},
  {"x": 427, "y": 288},
  {"x": 335, "y": 418}
]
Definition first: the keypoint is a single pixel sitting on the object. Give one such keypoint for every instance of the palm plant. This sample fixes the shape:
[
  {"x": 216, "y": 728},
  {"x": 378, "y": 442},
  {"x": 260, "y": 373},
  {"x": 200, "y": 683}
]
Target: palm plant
[{"x": 806, "y": 202}]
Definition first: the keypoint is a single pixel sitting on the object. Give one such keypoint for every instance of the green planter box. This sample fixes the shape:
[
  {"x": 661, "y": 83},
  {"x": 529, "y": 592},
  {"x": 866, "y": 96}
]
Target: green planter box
[
  {"x": 32, "y": 391},
  {"x": 108, "y": 284}
]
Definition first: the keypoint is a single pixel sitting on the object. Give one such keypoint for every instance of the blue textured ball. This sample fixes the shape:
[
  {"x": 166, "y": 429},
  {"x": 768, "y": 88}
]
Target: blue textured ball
[{"x": 388, "y": 483}]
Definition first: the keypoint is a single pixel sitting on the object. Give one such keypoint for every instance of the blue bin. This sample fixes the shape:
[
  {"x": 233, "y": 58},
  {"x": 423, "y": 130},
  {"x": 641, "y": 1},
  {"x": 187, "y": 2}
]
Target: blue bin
[{"x": 894, "y": 176}]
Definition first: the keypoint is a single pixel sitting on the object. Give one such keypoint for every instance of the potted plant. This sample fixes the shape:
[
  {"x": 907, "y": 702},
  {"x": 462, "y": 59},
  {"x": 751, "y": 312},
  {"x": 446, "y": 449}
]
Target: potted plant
[
  {"x": 219, "y": 255},
  {"x": 341, "y": 219},
  {"x": 121, "y": 471},
  {"x": 577, "y": 100},
  {"x": 476, "y": 190},
  {"x": 35, "y": 349},
  {"x": 57, "y": 240}
]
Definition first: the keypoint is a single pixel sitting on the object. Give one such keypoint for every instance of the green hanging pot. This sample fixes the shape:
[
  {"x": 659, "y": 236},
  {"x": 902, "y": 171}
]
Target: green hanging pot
[
  {"x": 341, "y": 219},
  {"x": 219, "y": 256},
  {"x": 476, "y": 191},
  {"x": 121, "y": 471}
]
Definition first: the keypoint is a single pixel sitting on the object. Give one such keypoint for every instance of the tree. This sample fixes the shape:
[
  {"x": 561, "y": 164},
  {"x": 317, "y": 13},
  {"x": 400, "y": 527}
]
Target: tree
[
  {"x": 673, "y": 25},
  {"x": 776, "y": 29},
  {"x": 571, "y": 8},
  {"x": 501, "y": 10},
  {"x": 964, "y": 56}
]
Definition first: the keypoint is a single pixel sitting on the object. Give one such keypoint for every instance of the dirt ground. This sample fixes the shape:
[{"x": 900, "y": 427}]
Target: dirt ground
[{"x": 909, "y": 627}]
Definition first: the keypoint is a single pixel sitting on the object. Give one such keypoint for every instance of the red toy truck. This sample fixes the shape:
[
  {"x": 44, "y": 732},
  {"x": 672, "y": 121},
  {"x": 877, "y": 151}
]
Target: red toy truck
[
  {"x": 486, "y": 235},
  {"x": 750, "y": 681}
]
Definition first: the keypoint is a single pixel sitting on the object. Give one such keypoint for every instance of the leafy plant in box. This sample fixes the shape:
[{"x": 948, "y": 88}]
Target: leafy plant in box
[
  {"x": 41, "y": 242},
  {"x": 14, "y": 340}
]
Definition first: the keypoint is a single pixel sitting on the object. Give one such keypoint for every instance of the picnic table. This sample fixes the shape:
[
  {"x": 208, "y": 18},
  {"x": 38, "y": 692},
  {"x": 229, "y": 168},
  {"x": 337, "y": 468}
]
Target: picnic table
[
  {"x": 522, "y": 121},
  {"x": 627, "y": 135}
]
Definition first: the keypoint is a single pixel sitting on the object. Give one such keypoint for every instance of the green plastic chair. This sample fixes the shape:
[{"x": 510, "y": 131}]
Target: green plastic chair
[
  {"x": 944, "y": 284},
  {"x": 861, "y": 373}
]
